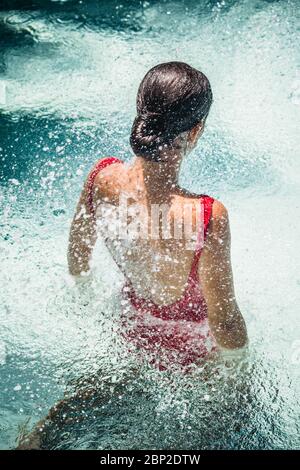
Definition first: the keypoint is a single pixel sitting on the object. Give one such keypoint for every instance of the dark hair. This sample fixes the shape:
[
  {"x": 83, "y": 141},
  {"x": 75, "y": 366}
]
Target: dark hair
[{"x": 172, "y": 98}]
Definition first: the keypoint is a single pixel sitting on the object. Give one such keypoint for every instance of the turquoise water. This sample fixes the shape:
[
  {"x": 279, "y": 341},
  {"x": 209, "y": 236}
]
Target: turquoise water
[{"x": 69, "y": 72}]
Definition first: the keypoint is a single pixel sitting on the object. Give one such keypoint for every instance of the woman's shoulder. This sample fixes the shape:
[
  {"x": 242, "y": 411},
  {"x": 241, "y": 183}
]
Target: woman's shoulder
[
  {"x": 104, "y": 177},
  {"x": 219, "y": 226},
  {"x": 105, "y": 168},
  {"x": 218, "y": 208},
  {"x": 219, "y": 211},
  {"x": 103, "y": 164}
]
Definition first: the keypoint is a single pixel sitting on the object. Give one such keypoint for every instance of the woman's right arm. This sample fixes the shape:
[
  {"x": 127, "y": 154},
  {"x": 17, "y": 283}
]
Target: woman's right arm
[{"x": 215, "y": 272}]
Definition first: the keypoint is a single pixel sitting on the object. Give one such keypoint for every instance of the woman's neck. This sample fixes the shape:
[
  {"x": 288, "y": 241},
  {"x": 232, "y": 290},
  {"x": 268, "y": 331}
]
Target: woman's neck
[{"x": 160, "y": 178}]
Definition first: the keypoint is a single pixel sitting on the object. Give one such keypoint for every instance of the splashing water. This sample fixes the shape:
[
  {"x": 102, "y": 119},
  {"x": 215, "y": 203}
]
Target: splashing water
[{"x": 69, "y": 73}]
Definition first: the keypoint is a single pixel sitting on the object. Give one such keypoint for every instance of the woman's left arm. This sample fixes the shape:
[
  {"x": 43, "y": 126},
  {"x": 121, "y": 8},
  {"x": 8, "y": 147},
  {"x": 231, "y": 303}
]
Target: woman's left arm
[{"x": 82, "y": 238}]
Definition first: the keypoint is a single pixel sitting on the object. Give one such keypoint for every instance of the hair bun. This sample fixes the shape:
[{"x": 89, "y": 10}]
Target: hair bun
[{"x": 148, "y": 134}]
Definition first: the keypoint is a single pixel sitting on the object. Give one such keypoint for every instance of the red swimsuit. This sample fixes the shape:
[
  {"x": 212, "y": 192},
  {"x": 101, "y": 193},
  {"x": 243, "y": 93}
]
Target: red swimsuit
[{"x": 177, "y": 333}]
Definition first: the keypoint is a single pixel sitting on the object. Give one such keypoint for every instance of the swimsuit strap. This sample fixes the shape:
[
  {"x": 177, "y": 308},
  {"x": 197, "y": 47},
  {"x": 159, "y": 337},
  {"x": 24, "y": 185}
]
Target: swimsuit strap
[
  {"x": 103, "y": 163},
  {"x": 206, "y": 203}
]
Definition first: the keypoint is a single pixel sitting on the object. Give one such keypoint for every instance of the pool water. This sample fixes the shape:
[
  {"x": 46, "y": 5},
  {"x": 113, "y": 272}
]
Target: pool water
[{"x": 69, "y": 72}]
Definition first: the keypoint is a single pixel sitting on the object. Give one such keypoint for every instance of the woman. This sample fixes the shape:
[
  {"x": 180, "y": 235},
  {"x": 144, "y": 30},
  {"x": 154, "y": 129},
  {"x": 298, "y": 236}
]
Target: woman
[
  {"x": 181, "y": 301},
  {"x": 172, "y": 246}
]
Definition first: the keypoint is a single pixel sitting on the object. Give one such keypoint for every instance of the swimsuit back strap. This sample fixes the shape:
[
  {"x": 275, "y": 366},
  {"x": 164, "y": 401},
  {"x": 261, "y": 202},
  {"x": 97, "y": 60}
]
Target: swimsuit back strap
[
  {"x": 103, "y": 163},
  {"x": 206, "y": 203}
]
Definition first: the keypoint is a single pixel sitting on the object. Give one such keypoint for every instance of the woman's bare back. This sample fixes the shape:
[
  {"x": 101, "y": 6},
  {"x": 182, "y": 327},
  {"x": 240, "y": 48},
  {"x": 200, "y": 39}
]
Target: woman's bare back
[{"x": 158, "y": 258}]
